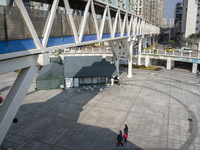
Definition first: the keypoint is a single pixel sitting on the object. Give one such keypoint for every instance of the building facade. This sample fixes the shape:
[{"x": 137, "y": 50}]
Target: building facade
[
  {"x": 171, "y": 23},
  {"x": 151, "y": 10},
  {"x": 178, "y": 12},
  {"x": 165, "y": 24},
  {"x": 177, "y": 19},
  {"x": 191, "y": 18},
  {"x": 127, "y": 5}
]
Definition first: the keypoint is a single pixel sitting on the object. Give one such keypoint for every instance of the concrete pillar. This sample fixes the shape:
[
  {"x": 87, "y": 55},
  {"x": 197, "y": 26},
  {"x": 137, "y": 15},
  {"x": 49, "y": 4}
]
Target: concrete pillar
[
  {"x": 156, "y": 39},
  {"x": 117, "y": 65},
  {"x": 153, "y": 40},
  {"x": 139, "y": 50},
  {"x": 194, "y": 67},
  {"x": 112, "y": 81},
  {"x": 168, "y": 63},
  {"x": 186, "y": 44},
  {"x": 198, "y": 46},
  {"x": 145, "y": 42},
  {"x": 130, "y": 60},
  {"x": 147, "y": 61},
  {"x": 150, "y": 40},
  {"x": 172, "y": 64}
]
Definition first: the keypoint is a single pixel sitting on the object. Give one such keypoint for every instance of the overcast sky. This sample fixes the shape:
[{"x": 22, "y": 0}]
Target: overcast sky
[{"x": 169, "y": 6}]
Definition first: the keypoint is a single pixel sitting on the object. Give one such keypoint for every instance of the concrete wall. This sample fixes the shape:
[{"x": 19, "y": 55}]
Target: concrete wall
[
  {"x": 13, "y": 27},
  {"x": 2, "y": 27}
]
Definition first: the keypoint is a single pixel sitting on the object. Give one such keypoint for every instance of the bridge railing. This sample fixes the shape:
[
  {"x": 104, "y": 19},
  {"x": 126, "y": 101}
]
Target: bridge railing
[{"x": 157, "y": 52}]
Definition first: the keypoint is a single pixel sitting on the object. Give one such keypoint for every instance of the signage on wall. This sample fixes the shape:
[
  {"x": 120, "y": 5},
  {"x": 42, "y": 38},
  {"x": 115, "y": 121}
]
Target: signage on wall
[{"x": 189, "y": 60}]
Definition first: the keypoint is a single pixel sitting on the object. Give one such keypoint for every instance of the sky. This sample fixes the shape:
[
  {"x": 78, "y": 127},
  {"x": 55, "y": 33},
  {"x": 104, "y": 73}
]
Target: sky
[{"x": 169, "y": 6}]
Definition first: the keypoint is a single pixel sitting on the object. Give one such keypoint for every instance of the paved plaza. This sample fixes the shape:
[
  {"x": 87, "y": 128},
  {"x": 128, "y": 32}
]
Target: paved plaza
[{"x": 161, "y": 109}]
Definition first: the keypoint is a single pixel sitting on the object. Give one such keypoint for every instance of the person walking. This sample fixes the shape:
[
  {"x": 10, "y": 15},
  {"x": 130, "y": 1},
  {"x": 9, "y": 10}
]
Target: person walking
[
  {"x": 119, "y": 139},
  {"x": 125, "y": 133}
]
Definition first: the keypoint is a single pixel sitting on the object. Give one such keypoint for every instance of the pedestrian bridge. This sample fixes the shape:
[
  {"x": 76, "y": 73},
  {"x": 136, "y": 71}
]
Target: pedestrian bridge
[
  {"x": 28, "y": 35},
  {"x": 170, "y": 57}
]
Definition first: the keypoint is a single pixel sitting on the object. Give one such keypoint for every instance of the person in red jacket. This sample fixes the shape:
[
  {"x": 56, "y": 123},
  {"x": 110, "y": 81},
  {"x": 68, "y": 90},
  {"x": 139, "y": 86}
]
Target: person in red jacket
[{"x": 1, "y": 99}]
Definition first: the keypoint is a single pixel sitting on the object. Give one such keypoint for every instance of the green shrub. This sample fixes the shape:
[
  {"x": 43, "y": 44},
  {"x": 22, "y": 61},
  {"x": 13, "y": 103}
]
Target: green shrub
[{"x": 149, "y": 47}]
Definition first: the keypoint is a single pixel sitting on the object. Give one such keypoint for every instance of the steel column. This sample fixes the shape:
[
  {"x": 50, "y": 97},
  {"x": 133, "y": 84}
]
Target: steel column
[
  {"x": 15, "y": 98},
  {"x": 139, "y": 50},
  {"x": 130, "y": 60}
]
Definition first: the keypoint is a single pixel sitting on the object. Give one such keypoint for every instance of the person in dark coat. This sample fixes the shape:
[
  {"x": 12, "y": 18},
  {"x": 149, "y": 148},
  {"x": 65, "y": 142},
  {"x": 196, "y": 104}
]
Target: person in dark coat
[
  {"x": 120, "y": 138},
  {"x": 126, "y": 129},
  {"x": 125, "y": 133}
]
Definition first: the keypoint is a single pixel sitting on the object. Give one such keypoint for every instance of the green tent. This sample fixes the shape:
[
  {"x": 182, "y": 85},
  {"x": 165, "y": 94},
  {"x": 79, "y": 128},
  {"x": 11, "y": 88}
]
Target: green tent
[{"x": 50, "y": 76}]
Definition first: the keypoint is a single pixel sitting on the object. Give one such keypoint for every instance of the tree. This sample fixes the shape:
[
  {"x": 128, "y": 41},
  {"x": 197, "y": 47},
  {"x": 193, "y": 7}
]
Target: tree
[{"x": 172, "y": 42}]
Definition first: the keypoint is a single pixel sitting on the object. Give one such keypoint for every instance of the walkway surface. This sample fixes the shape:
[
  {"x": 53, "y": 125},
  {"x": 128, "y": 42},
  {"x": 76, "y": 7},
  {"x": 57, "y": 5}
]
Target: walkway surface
[{"x": 161, "y": 109}]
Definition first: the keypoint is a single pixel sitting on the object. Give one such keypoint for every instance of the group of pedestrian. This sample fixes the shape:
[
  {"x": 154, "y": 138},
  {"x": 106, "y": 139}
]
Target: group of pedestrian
[{"x": 120, "y": 137}]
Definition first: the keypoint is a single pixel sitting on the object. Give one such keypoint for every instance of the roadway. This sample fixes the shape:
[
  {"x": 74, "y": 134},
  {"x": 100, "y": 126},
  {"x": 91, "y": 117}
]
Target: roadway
[{"x": 162, "y": 51}]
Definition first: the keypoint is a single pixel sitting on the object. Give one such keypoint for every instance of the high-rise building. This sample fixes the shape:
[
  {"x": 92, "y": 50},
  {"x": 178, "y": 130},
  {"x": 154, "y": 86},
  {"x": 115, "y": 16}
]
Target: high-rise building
[
  {"x": 190, "y": 18},
  {"x": 165, "y": 24},
  {"x": 177, "y": 19},
  {"x": 138, "y": 7},
  {"x": 151, "y": 10},
  {"x": 171, "y": 23},
  {"x": 127, "y": 5},
  {"x": 178, "y": 12}
]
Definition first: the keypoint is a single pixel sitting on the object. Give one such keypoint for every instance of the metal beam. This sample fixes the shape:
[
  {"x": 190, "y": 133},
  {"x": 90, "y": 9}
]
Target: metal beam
[
  {"x": 17, "y": 63},
  {"x": 110, "y": 21},
  {"x": 15, "y": 98},
  {"x": 124, "y": 24},
  {"x": 95, "y": 19},
  {"x": 115, "y": 24},
  {"x": 82, "y": 29},
  {"x": 130, "y": 60},
  {"x": 49, "y": 23},
  {"x": 103, "y": 22},
  {"x": 29, "y": 24},
  {"x": 129, "y": 26},
  {"x": 73, "y": 26}
]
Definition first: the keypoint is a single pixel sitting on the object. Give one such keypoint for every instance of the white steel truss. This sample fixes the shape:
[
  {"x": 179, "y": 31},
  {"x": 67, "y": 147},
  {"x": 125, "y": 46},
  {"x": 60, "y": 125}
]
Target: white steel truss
[{"x": 134, "y": 25}]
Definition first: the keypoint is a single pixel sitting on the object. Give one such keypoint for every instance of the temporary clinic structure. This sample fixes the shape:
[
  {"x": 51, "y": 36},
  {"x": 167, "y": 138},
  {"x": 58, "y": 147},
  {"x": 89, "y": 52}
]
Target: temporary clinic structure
[
  {"x": 50, "y": 76},
  {"x": 88, "y": 70}
]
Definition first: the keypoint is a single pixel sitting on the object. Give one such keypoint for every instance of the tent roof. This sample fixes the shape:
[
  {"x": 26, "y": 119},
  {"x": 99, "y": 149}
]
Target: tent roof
[
  {"x": 89, "y": 66},
  {"x": 53, "y": 68}
]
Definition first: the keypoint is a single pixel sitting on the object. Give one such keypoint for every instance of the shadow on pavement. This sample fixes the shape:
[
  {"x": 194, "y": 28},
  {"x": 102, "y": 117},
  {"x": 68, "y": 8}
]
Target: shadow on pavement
[{"x": 56, "y": 124}]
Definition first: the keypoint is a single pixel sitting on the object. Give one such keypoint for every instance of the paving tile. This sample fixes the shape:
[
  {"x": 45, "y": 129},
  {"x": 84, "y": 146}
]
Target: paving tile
[{"x": 155, "y": 105}]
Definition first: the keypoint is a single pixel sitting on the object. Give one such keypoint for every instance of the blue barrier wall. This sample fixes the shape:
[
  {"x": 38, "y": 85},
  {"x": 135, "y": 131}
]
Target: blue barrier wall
[{"x": 27, "y": 44}]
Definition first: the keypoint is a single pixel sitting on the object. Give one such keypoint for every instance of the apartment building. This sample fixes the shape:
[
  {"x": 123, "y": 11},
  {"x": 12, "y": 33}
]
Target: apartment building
[
  {"x": 191, "y": 18},
  {"x": 127, "y": 5},
  {"x": 178, "y": 12},
  {"x": 151, "y": 10},
  {"x": 165, "y": 24},
  {"x": 171, "y": 22},
  {"x": 177, "y": 19}
]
